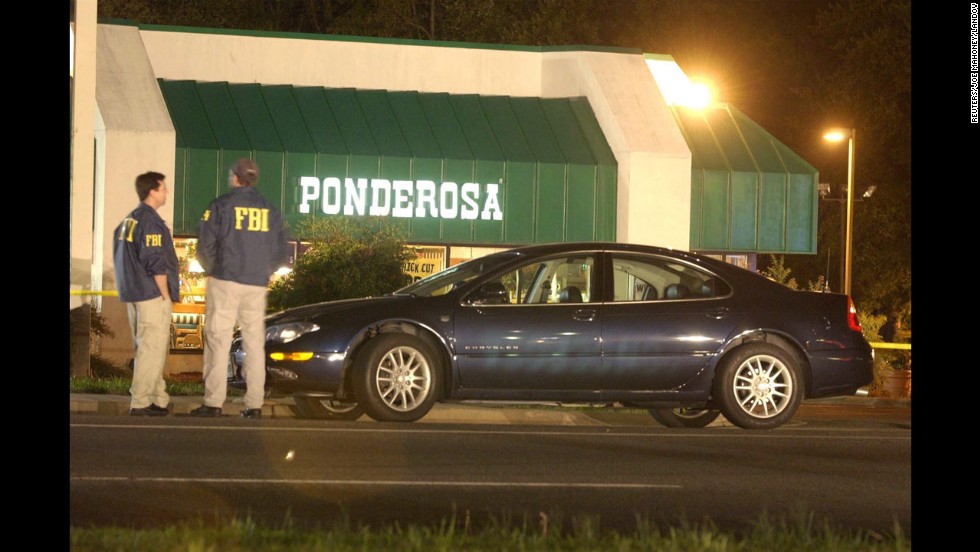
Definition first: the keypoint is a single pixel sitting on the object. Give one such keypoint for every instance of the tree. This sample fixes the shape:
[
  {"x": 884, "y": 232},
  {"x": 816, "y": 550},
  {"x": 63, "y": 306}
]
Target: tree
[
  {"x": 867, "y": 86},
  {"x": 521, "y": 22},
  {"x": 778, "y": 272},
  {"x": 346, "y": 258}
]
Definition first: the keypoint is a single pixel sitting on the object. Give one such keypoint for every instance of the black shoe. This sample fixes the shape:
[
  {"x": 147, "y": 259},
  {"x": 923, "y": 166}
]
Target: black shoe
[
  {"x": 205, "y": 411},
  {"x": 152, "y": 410},
  {"x": 252, "y": 413}
]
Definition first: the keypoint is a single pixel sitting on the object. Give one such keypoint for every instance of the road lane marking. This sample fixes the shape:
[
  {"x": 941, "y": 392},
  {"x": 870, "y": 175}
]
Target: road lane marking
[{"x": 392, "y": 483}]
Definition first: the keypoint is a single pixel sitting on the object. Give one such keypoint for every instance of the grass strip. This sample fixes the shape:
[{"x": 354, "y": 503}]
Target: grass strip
[{"x": 545, "y": 534}]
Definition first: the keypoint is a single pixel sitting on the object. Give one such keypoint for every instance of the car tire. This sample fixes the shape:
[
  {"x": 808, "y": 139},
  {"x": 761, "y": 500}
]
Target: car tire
[
  {"x": 396, "y": 378},
  {"x": 320, "y": 408},
  {"x": 758, "y": 386},
  {"x": 685, "y": 417}
]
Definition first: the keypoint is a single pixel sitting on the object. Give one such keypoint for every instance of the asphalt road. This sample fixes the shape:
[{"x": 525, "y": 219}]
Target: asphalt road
[{"x": 849, "y": 466}]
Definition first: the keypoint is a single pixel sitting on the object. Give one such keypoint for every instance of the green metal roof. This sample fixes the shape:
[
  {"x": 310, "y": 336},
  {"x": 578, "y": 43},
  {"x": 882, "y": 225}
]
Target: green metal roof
[
  {"x": 749, "y": 191},
  {"x": 548, "y": 157}
]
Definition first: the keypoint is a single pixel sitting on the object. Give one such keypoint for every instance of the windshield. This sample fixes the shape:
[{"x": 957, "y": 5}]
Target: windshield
[{"x": 443, "y": 282}]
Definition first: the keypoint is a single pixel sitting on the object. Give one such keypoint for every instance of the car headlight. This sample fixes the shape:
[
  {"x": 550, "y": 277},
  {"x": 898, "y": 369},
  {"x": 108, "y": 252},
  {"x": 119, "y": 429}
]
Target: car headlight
[{"x": 284, "y": 333}]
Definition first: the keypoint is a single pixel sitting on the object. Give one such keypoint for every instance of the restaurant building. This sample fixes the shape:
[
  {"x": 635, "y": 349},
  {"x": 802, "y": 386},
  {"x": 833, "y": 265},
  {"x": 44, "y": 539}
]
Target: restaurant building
[{"x": 469, "y": 148}]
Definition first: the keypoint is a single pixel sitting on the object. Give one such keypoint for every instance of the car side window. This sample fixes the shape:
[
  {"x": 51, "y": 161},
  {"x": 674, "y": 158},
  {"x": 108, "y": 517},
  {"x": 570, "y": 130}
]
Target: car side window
[
  {"x": 566, "y": 279},
  {"x": 648, "y": 278}
]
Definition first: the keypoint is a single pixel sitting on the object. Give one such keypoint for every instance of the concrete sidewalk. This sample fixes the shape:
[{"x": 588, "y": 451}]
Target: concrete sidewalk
[
  {"x": 469, "y": 412},
  {"x": 282, "y": 407}
]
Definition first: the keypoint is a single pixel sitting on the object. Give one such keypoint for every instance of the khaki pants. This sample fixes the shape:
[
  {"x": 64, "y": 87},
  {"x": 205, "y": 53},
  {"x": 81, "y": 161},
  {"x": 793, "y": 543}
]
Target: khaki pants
[
  {"x": 227, "y": 303},
  {"x": 149, "y": 324}
]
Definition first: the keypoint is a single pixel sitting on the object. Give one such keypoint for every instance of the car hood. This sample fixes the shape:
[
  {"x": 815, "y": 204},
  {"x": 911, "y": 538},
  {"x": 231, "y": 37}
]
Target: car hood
[{"x": 315, "y": 310}]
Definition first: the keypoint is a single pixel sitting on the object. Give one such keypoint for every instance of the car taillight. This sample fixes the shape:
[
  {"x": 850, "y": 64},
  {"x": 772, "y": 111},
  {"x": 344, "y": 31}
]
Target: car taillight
[{"x": 852, "y": 316}]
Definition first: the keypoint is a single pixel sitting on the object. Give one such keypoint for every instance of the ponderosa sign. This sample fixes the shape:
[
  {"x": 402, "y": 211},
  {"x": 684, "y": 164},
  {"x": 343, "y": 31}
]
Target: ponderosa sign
[{"x": 401, "y": 198}]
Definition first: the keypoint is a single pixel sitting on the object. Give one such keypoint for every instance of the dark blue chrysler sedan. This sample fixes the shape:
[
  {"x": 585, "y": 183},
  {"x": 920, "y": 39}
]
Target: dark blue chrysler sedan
[{"x": 685, "y": 336}]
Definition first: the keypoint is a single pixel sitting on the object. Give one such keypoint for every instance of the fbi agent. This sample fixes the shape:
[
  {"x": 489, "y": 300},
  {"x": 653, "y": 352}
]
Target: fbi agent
[{"x": 241, "y": 242}]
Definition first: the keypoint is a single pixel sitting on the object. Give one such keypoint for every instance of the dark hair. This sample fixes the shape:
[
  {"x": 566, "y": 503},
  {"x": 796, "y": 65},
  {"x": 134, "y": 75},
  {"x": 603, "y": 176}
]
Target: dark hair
[
  {"x": 246, "y": 170},
  {"x": 147, "y": 182}
]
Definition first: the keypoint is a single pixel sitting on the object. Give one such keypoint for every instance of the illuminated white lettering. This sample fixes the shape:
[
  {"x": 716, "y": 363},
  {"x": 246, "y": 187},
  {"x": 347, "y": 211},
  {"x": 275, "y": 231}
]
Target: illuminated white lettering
[
  {"x": 425, "y": 193},
  {"x": 380, "y": 197},
  {"x": 354, "y": 196},
  {"x": 310, "y": 191},
  {"x": 398, "y": 198},
  {"x": 449, "y": 200},
  {"x": 402, "y": 205},
  {"x": 331, "y": 188},
  {"x": 470, "y": 192},
  {"x": 491, "y": 208}
]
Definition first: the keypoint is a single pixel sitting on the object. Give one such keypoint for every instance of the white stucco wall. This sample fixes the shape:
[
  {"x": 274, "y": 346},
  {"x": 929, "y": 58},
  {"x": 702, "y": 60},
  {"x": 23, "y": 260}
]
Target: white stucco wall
[
  {"x": 653, "y": 204},
  {"x": 342, "y": 63},
  {"x": 133, "y": 135},
  {"x": 139, "y": 135},
  {"x": 82, "y": 185}
]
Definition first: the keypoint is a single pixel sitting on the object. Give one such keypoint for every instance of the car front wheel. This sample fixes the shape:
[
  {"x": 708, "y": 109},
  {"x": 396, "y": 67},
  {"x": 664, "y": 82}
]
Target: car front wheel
[
  {"x": 684, "y": 417},
  {"x": 758, "y": 386},
  {"x": 396, "y": 378}
]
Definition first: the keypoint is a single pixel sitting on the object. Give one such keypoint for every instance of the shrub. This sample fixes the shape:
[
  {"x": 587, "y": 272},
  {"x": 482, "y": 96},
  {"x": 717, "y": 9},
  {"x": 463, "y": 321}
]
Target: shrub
[
  {"x": 871, "y": 325},
  {"x": 346, "y": 258},
  {"x": 778, "y": 272},
  {"x": 101, "y": 367},
  {"x": 97, "y": 327}
]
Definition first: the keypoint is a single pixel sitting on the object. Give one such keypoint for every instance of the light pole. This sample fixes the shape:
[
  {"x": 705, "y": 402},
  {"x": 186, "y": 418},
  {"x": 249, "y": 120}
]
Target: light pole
[
  {"x": 836, "y": 135},
  {"x": 824, "y": 189}
]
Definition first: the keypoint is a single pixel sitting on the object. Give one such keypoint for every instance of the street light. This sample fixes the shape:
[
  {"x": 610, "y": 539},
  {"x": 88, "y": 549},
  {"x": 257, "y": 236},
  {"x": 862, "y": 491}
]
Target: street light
[
  {"x": 824, "y": 190},
  {"x": 836, "y": 135}
]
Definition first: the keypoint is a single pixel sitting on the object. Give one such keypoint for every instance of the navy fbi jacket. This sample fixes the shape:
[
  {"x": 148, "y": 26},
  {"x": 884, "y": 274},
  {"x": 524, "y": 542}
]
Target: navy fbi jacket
[
  {"x": 143, "y": 247},
  {"x": 241, "y": 238}
]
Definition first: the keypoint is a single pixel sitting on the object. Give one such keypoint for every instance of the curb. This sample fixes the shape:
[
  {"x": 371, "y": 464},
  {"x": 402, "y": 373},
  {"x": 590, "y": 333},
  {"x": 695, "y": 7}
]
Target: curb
[
  {"x": 118, "y": 405},
  {"x": 874, "y": 402}
]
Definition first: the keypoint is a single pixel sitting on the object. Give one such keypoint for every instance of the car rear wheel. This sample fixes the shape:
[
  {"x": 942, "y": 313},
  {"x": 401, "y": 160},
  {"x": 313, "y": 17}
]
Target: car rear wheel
[
  {"x": 319, "y": 408},
  {"x": 758, "y": 386},
  {"x": 684, "y": 417},
  {"x": 396, "y": 378}
]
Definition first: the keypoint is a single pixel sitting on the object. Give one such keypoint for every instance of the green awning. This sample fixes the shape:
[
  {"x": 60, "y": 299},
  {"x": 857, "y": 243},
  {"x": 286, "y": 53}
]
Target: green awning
[
  {"x": 749, "y": 192},
  {"x": 545, "y": 161}
]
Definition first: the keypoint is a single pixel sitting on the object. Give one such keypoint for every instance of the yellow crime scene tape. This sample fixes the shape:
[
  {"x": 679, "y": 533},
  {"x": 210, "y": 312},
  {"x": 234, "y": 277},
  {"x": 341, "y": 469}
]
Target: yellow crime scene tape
[
  {"x": 111, "y": 293},
  {"x": 902, "y": 346}
]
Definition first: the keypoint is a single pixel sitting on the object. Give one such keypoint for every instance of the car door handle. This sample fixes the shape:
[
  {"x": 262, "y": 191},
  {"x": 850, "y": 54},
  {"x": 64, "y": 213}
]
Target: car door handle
[
  {"x": 585, "y": 315},
  {"x": 718, "y": 313}
]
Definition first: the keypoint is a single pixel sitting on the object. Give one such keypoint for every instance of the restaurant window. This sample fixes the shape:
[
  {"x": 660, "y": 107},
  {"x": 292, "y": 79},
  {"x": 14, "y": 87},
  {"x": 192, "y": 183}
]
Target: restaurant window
[
  {"x": 741, "y": 260},
  {"x": 187, "y": 320},
  {"x": 426, "y": 261}
]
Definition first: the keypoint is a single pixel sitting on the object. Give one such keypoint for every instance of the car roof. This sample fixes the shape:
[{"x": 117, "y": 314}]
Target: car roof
[
  {"x": 546, "y": 248},
  {"x": 715, "y": 265}
]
